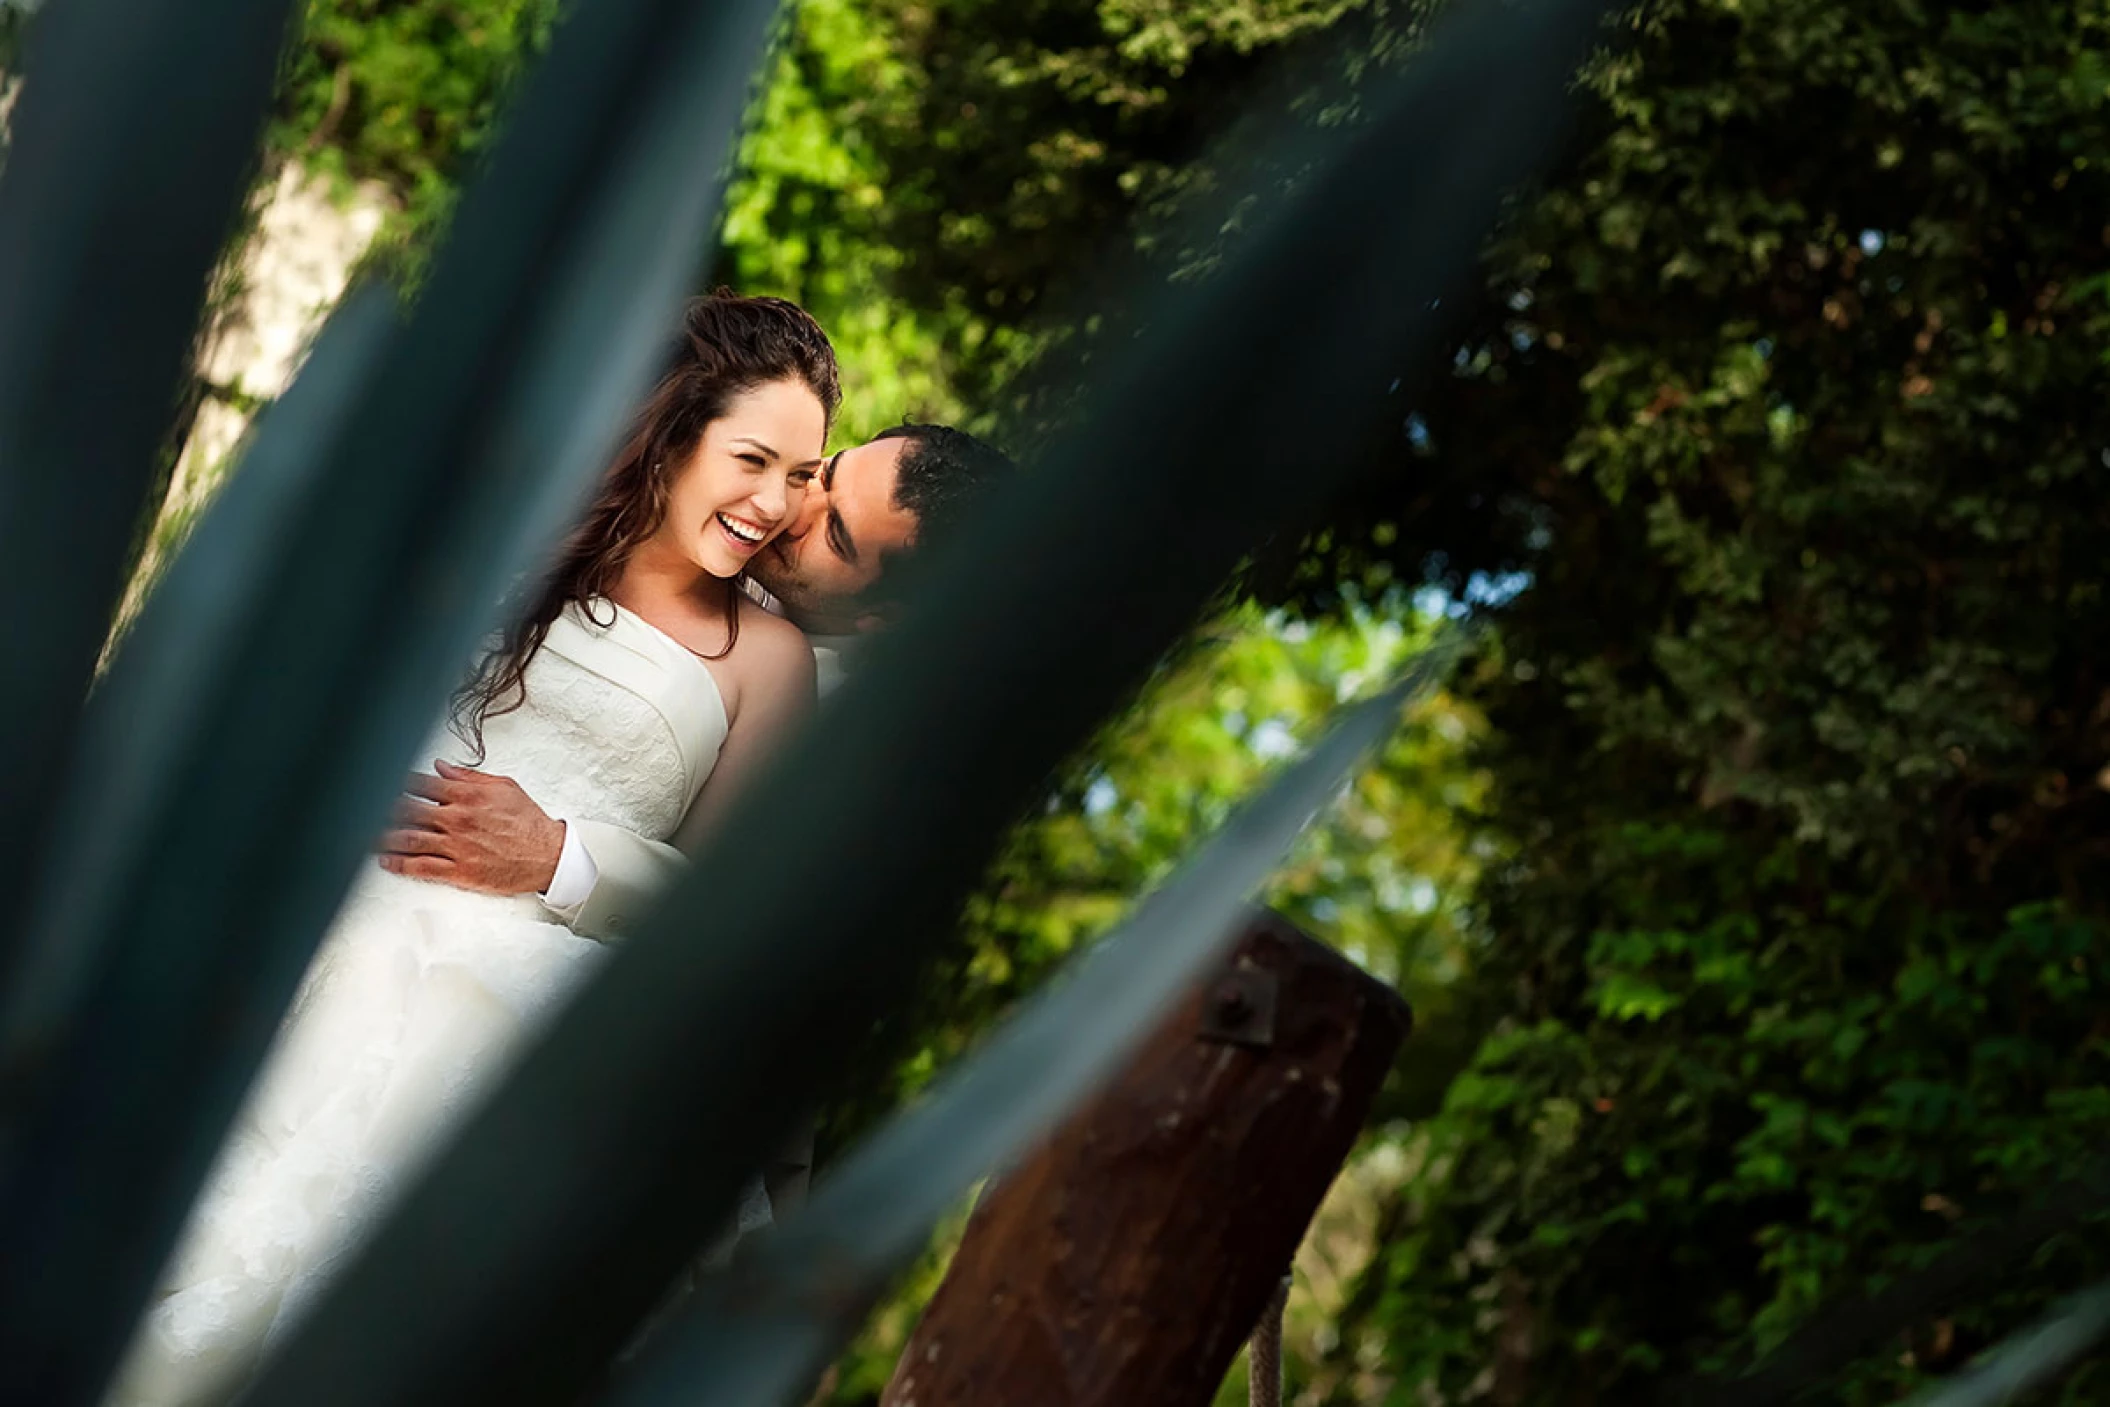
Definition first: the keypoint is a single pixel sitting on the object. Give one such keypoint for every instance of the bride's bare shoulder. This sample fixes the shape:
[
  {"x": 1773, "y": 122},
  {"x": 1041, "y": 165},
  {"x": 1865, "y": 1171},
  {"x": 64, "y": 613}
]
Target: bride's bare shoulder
[{"x": 773, "y": 653}]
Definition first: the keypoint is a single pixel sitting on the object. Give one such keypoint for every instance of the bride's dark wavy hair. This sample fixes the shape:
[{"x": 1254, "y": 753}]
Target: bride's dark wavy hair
[{"x": 728, "y": 344}]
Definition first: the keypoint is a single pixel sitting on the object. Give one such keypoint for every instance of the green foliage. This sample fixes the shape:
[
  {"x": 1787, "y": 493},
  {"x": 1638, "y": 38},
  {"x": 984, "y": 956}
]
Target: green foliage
[
  {"x": 404, "y": 92},
  {"x": 1043, "y": 128},
  {"x": 1789, "y": 394},
  {"x": 924, "y": 177},
  {"x": 14, "y": 23},
  {"x": 806, "y": 218}
]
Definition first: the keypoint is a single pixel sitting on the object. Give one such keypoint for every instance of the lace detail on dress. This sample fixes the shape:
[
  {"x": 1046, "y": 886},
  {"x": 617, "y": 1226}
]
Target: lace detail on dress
[{"x": 586, "y": 749}]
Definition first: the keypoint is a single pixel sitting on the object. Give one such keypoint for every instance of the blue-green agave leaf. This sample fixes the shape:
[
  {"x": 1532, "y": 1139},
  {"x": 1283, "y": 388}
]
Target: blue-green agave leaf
[
  {"x": 492, "y": 412},
  {"x": 2034, "y": 1358},
  {"x": 128, "y": 157},
  {"x": 764, "y": 1333}
]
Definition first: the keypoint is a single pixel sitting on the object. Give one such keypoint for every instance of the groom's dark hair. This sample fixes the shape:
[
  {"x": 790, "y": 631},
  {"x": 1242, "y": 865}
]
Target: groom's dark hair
[{"x": 944, "y": 473}]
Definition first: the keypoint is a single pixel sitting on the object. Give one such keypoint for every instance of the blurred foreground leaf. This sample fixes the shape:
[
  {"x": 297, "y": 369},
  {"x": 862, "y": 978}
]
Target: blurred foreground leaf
[
  {"x": 764, "y": 1332},
  {"x": 465, "y": 453},
  {"x": 128, "y": 155}
]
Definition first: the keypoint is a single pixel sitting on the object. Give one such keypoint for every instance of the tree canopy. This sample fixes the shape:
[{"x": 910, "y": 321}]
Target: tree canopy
[{"x": 1788, "y": 394}]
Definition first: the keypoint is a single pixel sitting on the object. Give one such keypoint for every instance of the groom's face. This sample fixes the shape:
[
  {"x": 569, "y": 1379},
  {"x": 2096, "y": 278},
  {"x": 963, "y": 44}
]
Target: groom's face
[{"x": 836, "y": 546}]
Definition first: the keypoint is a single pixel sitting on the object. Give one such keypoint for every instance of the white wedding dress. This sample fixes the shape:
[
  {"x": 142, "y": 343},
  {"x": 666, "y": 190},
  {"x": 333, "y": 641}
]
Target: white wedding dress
[{"x": 417, "y": 997}]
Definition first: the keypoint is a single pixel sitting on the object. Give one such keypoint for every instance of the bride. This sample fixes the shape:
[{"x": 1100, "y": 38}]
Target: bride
[{"x": 635, "y": 690}]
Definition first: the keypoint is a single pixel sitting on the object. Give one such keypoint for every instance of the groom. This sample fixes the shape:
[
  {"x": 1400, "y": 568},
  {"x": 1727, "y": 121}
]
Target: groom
[{"x": 829, "y": 572}]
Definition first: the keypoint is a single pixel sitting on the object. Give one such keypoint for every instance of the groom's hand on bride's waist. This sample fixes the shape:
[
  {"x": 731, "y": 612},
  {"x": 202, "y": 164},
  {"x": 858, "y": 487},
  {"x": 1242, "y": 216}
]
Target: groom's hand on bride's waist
[{"x": 472, "y": 830}]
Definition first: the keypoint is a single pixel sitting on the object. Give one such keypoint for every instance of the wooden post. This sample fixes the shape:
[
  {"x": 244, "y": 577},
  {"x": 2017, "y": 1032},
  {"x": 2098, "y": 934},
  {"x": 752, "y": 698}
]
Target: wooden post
[{"x": 1127, "y": 1260}]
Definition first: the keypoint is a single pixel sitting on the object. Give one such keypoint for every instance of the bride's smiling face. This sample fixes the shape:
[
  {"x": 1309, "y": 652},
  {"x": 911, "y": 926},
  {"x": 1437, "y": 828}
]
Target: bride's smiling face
[{"x": 746, "y": 478}]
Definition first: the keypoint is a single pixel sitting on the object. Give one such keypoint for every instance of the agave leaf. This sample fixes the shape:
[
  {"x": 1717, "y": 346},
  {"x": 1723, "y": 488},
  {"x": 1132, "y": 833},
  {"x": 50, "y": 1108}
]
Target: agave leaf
[
  {"x": 763, "y": 1333},
  {"x": 2035, "y": 1357},
  {"x": 620, "y": 1141},
  {"x": 491, "y": 414},
  {"x": 129, "y": 153},
  {"x": 165, "y": 684}
]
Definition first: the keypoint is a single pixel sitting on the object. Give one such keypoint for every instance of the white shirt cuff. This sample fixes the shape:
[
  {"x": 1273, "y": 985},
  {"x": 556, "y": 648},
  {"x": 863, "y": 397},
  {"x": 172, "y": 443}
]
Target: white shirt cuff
[{"x": 572, "y": 885}]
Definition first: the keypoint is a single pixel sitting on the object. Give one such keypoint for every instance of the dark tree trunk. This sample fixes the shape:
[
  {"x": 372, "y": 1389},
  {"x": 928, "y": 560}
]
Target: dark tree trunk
[{"x": 1127, "y": 1260}]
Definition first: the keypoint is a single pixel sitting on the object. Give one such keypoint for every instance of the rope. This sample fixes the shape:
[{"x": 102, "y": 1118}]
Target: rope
[{"x": 1264, "y": 1352}]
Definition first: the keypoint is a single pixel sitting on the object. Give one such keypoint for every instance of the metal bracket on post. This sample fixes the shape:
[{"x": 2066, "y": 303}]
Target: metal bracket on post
[{"x": 1240, "y": 1008}]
